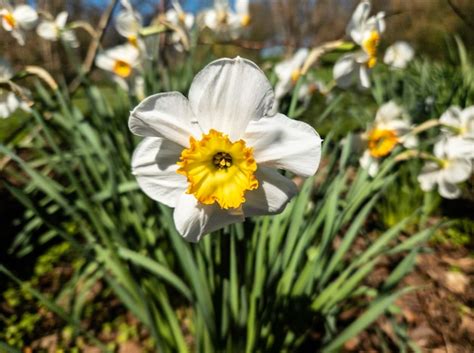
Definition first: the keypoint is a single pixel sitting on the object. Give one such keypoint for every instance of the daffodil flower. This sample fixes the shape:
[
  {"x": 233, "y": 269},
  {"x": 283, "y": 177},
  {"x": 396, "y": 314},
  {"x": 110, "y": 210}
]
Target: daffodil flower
[
  {"x": 123, "y": 61},
  {"x": 445, "y": 172},
  {"x": 289, "y": 72},
  {"x": 398, "y": 55},
  {"x": 215, "y": 155},
  {"x": 388, "y": 130},
  {"x": 458, "y": 132},
  {"x": 224, "y": 22},
  {"x": 9, "y": 101},
  {"x": 17, "y": 20},
  {"x": 128, "y": 24},
  {"x": 364, "y": 31},
  {"x": 178, "y": 17},
  {"x": 55, "y": 30}
]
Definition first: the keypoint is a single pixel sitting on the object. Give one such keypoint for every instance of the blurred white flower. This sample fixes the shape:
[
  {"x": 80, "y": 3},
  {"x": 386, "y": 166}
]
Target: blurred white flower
[
  {"x": 365, "y": 31},
  {"x": 390, "y": 128},
  {"x": 399, "y": 54},
  {"x": 458, "y": 132},
  {"x": 215, "y": 155},
  {"x": 55, "y": 30},
  {"x": 9, "y": 101},
  {"x": 178, "y": 17},
  {"x": 17, "y": 20},
  {"x": 224, "y": 22},
  {"x": 288, "y": 72},
  {"x": 309, "y": 88},
  {"x": 445, "y": 172},
  {"x": 123, "y": 61},
  {"x": 128, "y": 24}
]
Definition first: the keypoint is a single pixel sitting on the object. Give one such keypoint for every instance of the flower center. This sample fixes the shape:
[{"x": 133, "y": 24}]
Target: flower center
[
  {"x": 381, "y": 142},
  {"x": 218, "y": 170},
  {"x": 181, "y": 17},
  {"x": 245, "y": 20},
  {"x": 9, "y": 19},
  {"x": 122, "y": 68},
  {"x": 295, "y": 75},
  {"x": 370, "y": 45}
]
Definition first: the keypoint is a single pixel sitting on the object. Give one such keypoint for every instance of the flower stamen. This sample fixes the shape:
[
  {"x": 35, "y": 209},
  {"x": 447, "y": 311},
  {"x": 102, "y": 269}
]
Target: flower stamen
[
  {"x": 370, "y": 45},
  {"x": 9, "y": 19},
  {"x": 218, "y": 170}
]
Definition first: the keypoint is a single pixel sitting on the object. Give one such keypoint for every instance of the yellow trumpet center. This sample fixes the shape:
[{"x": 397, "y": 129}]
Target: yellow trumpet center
[
  {"x": 9, "y": 19},
  {"x": 218, "y": 170},
  {"x": 370, "y": 45},
  {"x": 295, "y": 75},
  {"x": 181, "y": 17},
  {"x": 381, "y": 142},
  {"x": 122, "y": 68},
  {"x": 245, "y": 20}
]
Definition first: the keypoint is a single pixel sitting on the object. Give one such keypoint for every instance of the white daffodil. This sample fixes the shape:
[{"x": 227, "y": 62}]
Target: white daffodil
[
  {"x": 123, "y": 61},
  {"x": 224, "y": 22},
  {"x": 458, "y": 132},
  {"x": 389, "y": 129},
  {"x": 288, "y": 72},
  {"x": 445, "y": 172},
  {"x": 398, "y": 55},
  {"x": 9, "y": 101},
  {"x": 365, "y": 31},
  {"x": 55, "y": 30},
  {"x": 128, "y": 24},
  {"x": 215, "y": 155},
  {"x": 179, "y": 18},
  {"x": 17, "y": 20}
]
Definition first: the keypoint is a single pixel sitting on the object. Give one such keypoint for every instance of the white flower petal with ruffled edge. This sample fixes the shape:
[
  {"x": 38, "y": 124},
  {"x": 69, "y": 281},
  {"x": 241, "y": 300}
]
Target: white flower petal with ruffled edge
[
  {"x": 154, "y": 166},
  {"x": 459, "y": 147},
  {"x": 398, "y": 55},
  {"x": 228, "y": 93},
  {"x": 165, "y": 115},
  {"x": 194, "y": 220},
  {"x": 282, "y": 143},
  {"x": 272, "y": 195},
  {"x": 388, "y": 111}
]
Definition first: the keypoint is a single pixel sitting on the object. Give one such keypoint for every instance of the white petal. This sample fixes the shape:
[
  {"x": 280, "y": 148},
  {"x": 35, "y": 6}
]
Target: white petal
[
  {"x": 193, "y": 220},
  {"x": 61, "y": 19},
  {"x": 448, "y": 190},
  {"x": 451, "y": 117},
  {"x": 128, "y": 23},
  {"x": 356, "y": 24},
  {"x": 189, "y": 21},
  {"x": 283, "y": 143},
  {"x": 467, "y": 121},
  {"x": 154, "y": 166},
  {"x": 172, "y": 16},
  {"x": 228, "y": 93},
  {"x": 458, "y": 147},
  {"x": 457, "y": 171},
  {"x": 369, "y": 163},
  {"x": 26, "y": 16},
  {"x": 12, "y": 102},
  {"x": 272, "y": 195},
  {"x": 364, "y": 76},
  {"x": 388, "y": 111},
  {"x": 344, "y": 70},
  {"x": 4, "y": 111},
  {"x": 47, "y": 30},
  {"x": 164, "y": 115},
  {"x": 19, "y": 35},
  {"x": 69, "y": 37},
  {"x": 104, "y": 61},
  {"x": 429, "y": 176}
]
